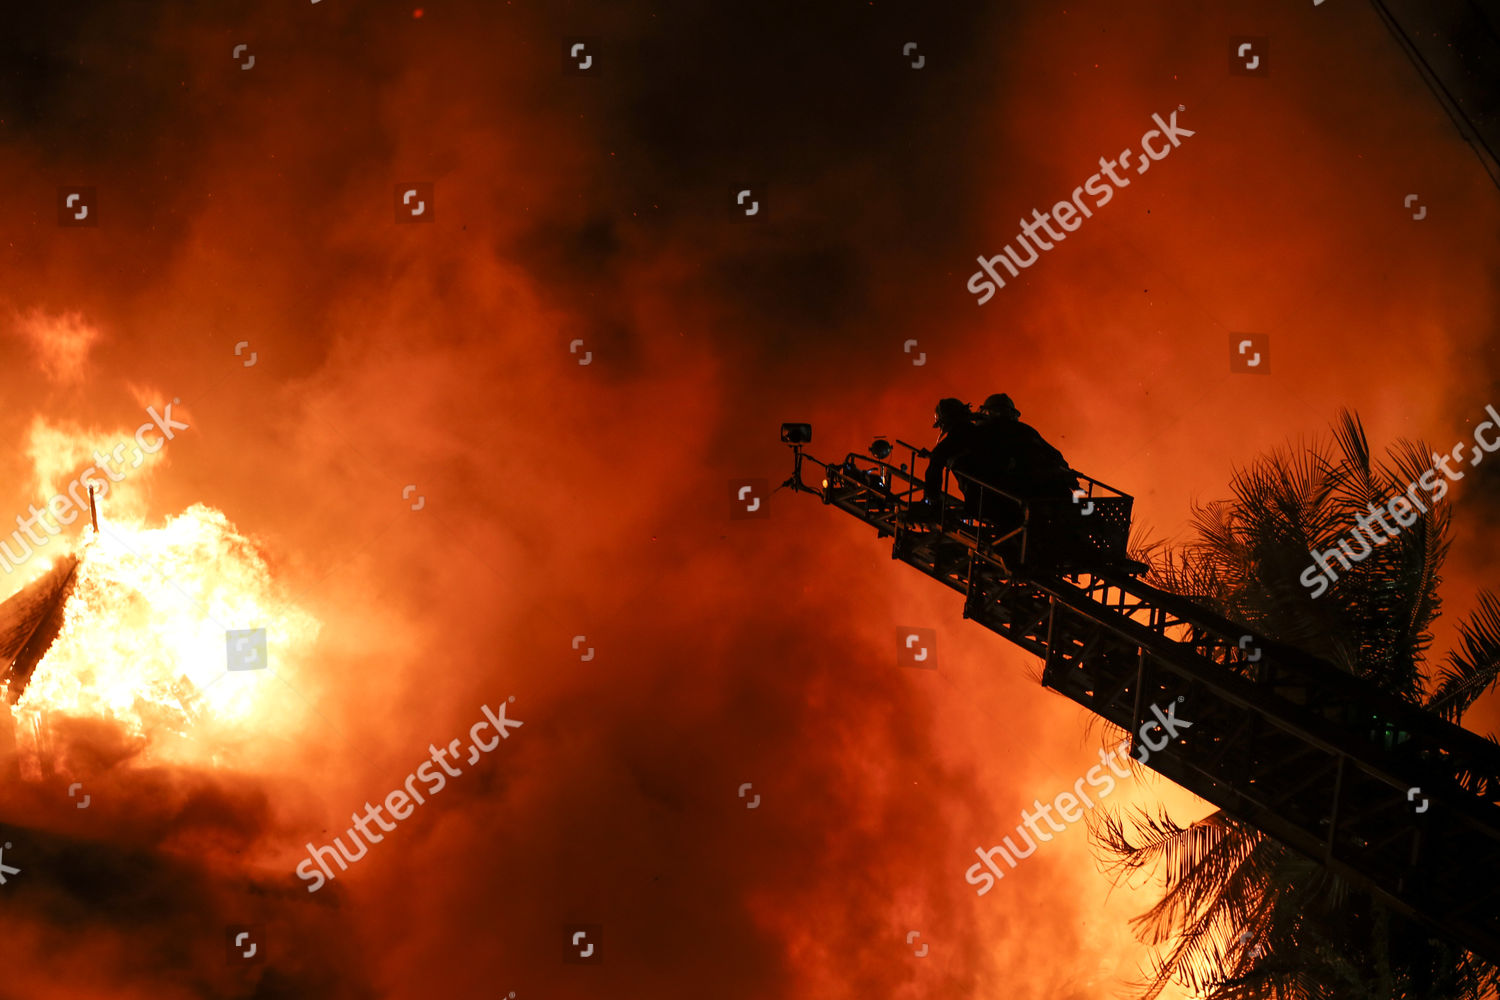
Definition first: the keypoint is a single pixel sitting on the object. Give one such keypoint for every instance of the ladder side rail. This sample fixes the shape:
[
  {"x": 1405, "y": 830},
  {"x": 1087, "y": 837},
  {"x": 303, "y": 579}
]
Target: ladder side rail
[
  {"x": 1398, "y": 772},
  {"x": 1278, "y": 662},
  {"x": 1311, "y": 813}
]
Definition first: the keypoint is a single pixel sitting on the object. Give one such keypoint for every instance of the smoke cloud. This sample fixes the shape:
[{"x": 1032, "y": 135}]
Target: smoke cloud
[{"x": 393, "y": 426}]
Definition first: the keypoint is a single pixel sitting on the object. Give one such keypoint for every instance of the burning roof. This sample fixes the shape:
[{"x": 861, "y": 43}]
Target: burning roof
[{"x": 30, "y": 620}]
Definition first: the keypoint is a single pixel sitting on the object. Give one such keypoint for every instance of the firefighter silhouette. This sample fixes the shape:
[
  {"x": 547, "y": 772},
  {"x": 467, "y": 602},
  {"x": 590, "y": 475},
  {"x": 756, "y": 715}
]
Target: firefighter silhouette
[
  {"x": 993, "y": 449},
  {"x": 958, "y": 438},
  {"x": 1017, "y": 456}
]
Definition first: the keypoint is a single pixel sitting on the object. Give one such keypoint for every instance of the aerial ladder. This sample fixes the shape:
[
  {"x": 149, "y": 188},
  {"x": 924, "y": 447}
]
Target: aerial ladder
[{"x": 1385, "y": 794}]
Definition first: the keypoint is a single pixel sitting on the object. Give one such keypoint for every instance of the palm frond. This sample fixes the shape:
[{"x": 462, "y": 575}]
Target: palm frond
[
  {"x": 1240, "y": 916},
  {"x": 1474, "y": 667}
]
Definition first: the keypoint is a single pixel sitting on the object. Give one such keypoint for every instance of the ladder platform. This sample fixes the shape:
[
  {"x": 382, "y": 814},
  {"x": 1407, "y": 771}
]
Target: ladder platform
[{"x": 1392, "y": 798}]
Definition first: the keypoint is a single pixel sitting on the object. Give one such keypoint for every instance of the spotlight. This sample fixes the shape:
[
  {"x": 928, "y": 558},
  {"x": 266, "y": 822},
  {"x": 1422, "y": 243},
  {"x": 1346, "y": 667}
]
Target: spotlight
[
  {"x": 881, "y": 449},
  {"x": 796, "y": 433}
]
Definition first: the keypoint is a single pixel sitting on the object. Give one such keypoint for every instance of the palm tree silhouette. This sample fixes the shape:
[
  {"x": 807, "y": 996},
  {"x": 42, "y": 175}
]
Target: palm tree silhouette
[{"x": 1241, "y": 916}]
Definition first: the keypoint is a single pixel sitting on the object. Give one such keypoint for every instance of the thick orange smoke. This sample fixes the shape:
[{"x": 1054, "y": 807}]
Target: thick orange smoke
[{"x": 425, "y": 457}]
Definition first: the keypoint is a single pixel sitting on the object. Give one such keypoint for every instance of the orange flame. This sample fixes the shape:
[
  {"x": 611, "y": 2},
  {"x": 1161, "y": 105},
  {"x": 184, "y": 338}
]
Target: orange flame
[{"x": 143, "y": 640}]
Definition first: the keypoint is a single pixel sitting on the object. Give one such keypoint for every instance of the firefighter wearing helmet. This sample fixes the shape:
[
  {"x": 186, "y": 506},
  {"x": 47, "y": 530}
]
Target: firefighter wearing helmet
[{"x": 958, "y": 435}]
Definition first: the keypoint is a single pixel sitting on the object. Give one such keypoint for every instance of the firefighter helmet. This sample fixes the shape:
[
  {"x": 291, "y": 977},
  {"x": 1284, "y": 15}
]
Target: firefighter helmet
[
  {"x": 999, "y": 405},
  {"x": 949, "y": 412}
]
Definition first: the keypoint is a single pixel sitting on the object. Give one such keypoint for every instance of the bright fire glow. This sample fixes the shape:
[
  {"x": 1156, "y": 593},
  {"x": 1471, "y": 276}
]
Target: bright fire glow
[{"x": 143, "y": 640}]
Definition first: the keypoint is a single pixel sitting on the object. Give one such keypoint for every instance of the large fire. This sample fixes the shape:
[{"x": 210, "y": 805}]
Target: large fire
[{"x": 143, "y": 641}]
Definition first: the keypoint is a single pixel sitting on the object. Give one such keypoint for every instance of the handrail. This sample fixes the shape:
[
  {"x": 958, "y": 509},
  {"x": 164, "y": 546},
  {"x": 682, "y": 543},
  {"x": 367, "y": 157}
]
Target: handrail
[{"x": 992, "y": 518}]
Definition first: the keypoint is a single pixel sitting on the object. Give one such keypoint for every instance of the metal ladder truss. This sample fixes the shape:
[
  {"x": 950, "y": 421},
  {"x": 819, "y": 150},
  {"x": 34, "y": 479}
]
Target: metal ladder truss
[{"x": 1391, "y": 797}]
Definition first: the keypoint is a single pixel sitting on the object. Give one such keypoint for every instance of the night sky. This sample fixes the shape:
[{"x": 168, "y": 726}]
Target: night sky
[{"x": 590, "y": 216}]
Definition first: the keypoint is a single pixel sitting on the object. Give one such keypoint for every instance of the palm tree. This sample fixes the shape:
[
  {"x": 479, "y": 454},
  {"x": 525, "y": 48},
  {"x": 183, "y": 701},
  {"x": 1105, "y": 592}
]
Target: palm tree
[{"x": 1241, "y": 916}]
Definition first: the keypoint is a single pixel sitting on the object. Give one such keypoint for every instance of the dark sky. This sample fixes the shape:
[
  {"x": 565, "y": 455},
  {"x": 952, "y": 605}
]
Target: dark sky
[{"x": 256, "y": 208}]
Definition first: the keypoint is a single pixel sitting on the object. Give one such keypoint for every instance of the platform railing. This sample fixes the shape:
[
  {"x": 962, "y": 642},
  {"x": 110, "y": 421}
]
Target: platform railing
[{"x": 1000, "y": 525}]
